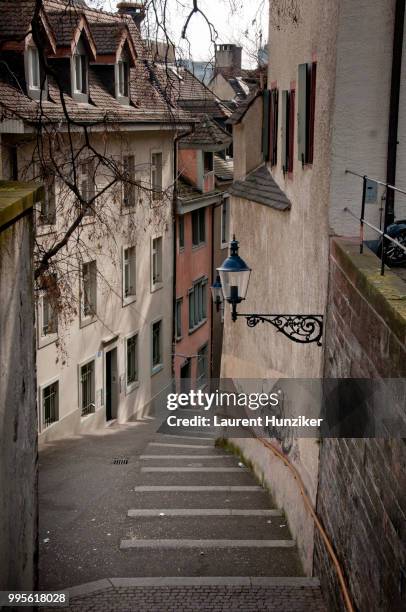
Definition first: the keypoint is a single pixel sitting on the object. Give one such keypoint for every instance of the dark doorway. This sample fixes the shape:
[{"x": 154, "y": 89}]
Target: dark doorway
[
  {"x": 111, "y": 385},
  {"x": 185, "y": 375}
]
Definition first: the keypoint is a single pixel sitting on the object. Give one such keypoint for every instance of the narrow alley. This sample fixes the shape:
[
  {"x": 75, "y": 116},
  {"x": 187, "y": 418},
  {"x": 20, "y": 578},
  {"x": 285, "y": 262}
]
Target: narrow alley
[{"x": 137, "y": 520}]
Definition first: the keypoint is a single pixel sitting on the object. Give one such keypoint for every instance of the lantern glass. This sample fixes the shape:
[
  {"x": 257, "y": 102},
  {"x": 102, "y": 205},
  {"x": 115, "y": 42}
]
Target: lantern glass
[{"x": 234, "y": 275}]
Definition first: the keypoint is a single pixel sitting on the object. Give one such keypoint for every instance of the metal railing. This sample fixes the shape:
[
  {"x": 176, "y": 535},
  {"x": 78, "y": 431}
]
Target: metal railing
[{"x": 384, "y": 235}]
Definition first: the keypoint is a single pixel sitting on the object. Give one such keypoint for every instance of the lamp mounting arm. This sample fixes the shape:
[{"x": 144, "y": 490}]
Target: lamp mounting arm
[{"x": 300, "y": 328}]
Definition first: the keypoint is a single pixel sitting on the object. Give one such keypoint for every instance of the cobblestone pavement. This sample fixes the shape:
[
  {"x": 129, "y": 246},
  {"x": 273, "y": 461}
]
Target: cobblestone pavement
[{"x": 206, "y": 598}]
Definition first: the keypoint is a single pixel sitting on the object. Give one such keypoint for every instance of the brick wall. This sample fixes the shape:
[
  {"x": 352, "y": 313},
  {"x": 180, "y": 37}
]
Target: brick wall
[{"x": 362, "y": 482}]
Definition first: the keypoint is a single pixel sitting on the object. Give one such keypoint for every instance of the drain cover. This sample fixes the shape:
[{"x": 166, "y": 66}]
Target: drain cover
[{"x": 120, "y": 461}]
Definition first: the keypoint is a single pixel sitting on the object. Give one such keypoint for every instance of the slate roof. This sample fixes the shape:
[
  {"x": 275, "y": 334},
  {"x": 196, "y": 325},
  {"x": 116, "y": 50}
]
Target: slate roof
[
  {"x": 223, "y": 168},
  {"x": 259, "y": 186},
  {"x": 148, "y": 103}
]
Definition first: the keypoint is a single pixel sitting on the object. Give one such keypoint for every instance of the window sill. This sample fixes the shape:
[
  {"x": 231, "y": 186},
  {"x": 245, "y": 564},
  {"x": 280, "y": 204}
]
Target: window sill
[
  {"x": 156, "y": 369},
  {"x": 178, "y": 338},
  {"x": 84, "y": 322},
  {"x": 129, "y": 300},
  {"x": 224, "y": 245},
  {"x": 201, "y": 245},
  {"x": 194, "y": 329},
  {"x": 127, "y": 210},
  {"x": 44, "y": 341},
  {"x": 156, "y": 287},
  {"x": 131, "y": 388}
]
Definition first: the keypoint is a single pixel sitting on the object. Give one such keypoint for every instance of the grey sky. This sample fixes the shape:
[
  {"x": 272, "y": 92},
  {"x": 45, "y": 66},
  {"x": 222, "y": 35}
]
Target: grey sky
[{"x": 233, "y": 19}]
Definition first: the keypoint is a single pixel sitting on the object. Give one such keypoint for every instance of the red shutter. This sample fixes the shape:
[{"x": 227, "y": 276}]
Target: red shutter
[
  {"x": 312, "y": 110},
  {"x": 291, "y": 134}
]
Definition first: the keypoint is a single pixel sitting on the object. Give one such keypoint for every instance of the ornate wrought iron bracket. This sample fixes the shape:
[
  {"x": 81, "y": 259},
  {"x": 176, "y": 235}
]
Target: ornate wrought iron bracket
[{"x": 304, "y": 329}]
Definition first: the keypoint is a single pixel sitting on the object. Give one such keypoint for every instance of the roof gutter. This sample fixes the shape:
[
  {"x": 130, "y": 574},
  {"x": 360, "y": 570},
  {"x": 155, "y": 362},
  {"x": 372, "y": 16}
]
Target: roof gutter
[{"x": 394, "y": 109}]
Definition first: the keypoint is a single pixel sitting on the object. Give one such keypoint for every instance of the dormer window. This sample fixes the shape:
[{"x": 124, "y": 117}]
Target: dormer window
[
  {"x": 80, "y": 74},
  {"x": 123, "y": 78},
  {"x": 33, "y": 73},
  {"x": 34, "y": 81}
]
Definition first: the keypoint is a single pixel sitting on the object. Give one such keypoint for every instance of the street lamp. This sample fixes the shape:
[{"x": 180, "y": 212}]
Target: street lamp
[
  {"x": 217, "y": 293},
  {"x": 235, "y": 275}
]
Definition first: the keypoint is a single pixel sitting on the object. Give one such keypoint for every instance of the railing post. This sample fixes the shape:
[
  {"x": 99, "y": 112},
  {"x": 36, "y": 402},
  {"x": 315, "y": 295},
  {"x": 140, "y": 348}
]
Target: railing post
[
  {"x": 385, "y": 227},
  {"x": 361, "y": 227}
]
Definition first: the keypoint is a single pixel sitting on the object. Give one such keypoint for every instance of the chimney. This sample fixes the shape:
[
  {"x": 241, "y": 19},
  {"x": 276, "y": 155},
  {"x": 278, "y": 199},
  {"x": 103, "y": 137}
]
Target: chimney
[
  {"x": 228, "y": 58},
  {"x": 136, "y": 10}
]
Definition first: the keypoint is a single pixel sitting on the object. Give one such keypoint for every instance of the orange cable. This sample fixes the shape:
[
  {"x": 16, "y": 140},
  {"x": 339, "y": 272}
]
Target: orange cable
[{"x": 309, "y": 505}]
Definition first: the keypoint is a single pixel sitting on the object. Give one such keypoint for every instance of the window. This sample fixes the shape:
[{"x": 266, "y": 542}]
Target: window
[
  {"x": 197, "y": 304},
  {"x": 89, "y": 289},
  {"x": 87, "y": 388},
  {"x": 306, "y": 112},
  {"x": 48, "y": 205},
  {"x": 156, "y": 261},
  {"x": 270, "y": 125},
  {"x": 208, "y": 161},
  {"x": 48, "y": 318},
  {"x": 202, "y": 366},
  {"x": 122, "y": 78},
  {"x": 34, "y": 78},
  {"x": 87, "y": 185},
  {"x": 80, "y": 68},
  {"x": 288, "y": 127},
  {"x": 225, "y": 222},
  {"x": 181, "y": 228},
  {"x": 156, "y": 175},
  {"x": 198, "y": 226},
  {"x": 50, "y": 404},
  {"x": 156, "y": 345},
  {"x": 132, "y": 361},
  {"x": 178, "y": 318},
  {"x": 129, "y": 273},
  {"x": 129, "y": 175}
]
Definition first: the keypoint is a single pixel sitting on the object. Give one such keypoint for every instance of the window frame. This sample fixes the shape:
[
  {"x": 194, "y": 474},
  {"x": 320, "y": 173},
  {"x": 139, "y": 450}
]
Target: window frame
[
  {"x": 86, "y": 319},
  {"x": 199, "y": 214},
  {"x": 45, "y": 339},
  {"x": 122, "y": 73},
  {"x": 197, "y": 294},
  {"x": 131, "y": 386},
  {"x": 81, "y": 365},
  {"x": 178, "y": 319},
  {"x": 157, "y": 367},
  {"x": 79, "y": 56},
  {"x": 129, "y": 298},
  {"x": 157, "y": 186},
  {"x": 87, "y": 185},
  {"x": 41, "y": 413},
  {"x": 225, "y": 223},
  {"x": 181, "y": 233},
  {"x": 129, "y": 189},
  {"x": 157, "y": 284}
]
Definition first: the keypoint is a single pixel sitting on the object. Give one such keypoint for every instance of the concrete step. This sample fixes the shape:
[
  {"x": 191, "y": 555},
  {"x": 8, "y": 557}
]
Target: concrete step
[
  {"x": 195, "y": 561},
  {"x": 256, "y": 528},
  {"x": 254, "y": 497},
  {"x": 205, "y": 478}
]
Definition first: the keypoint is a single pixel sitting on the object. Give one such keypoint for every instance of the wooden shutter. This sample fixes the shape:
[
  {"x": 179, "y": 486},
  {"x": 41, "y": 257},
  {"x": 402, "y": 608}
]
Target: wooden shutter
[
  {"x": 274, "y": 126},
  {"x": 302, "y": 113},
  {"x": 285, "y": 130},
  {"x": 265, "y": 124},
  {"x": 312, "y": 108},
  {"x": 291, "y": 130}
]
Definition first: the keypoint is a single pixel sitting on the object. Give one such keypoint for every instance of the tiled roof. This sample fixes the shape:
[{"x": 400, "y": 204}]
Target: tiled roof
[
  {"x": 208, "y": 134},
  {"x": 223, "y": 168},
  {"x": 242, "y": 108},
  {"x": 259, "y": 186},
  {"x": 148, "y": 104}
]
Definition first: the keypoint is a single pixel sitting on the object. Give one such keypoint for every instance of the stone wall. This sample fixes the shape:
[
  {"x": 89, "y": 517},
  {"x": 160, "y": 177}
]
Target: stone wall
[
  {"x": 18, "y": 419},
  {"x": 362, "y": 482}
]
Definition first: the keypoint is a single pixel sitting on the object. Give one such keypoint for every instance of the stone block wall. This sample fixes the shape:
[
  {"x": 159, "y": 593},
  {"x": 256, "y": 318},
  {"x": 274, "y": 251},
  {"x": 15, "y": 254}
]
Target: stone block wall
[{"x": 362, "y": 482}]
